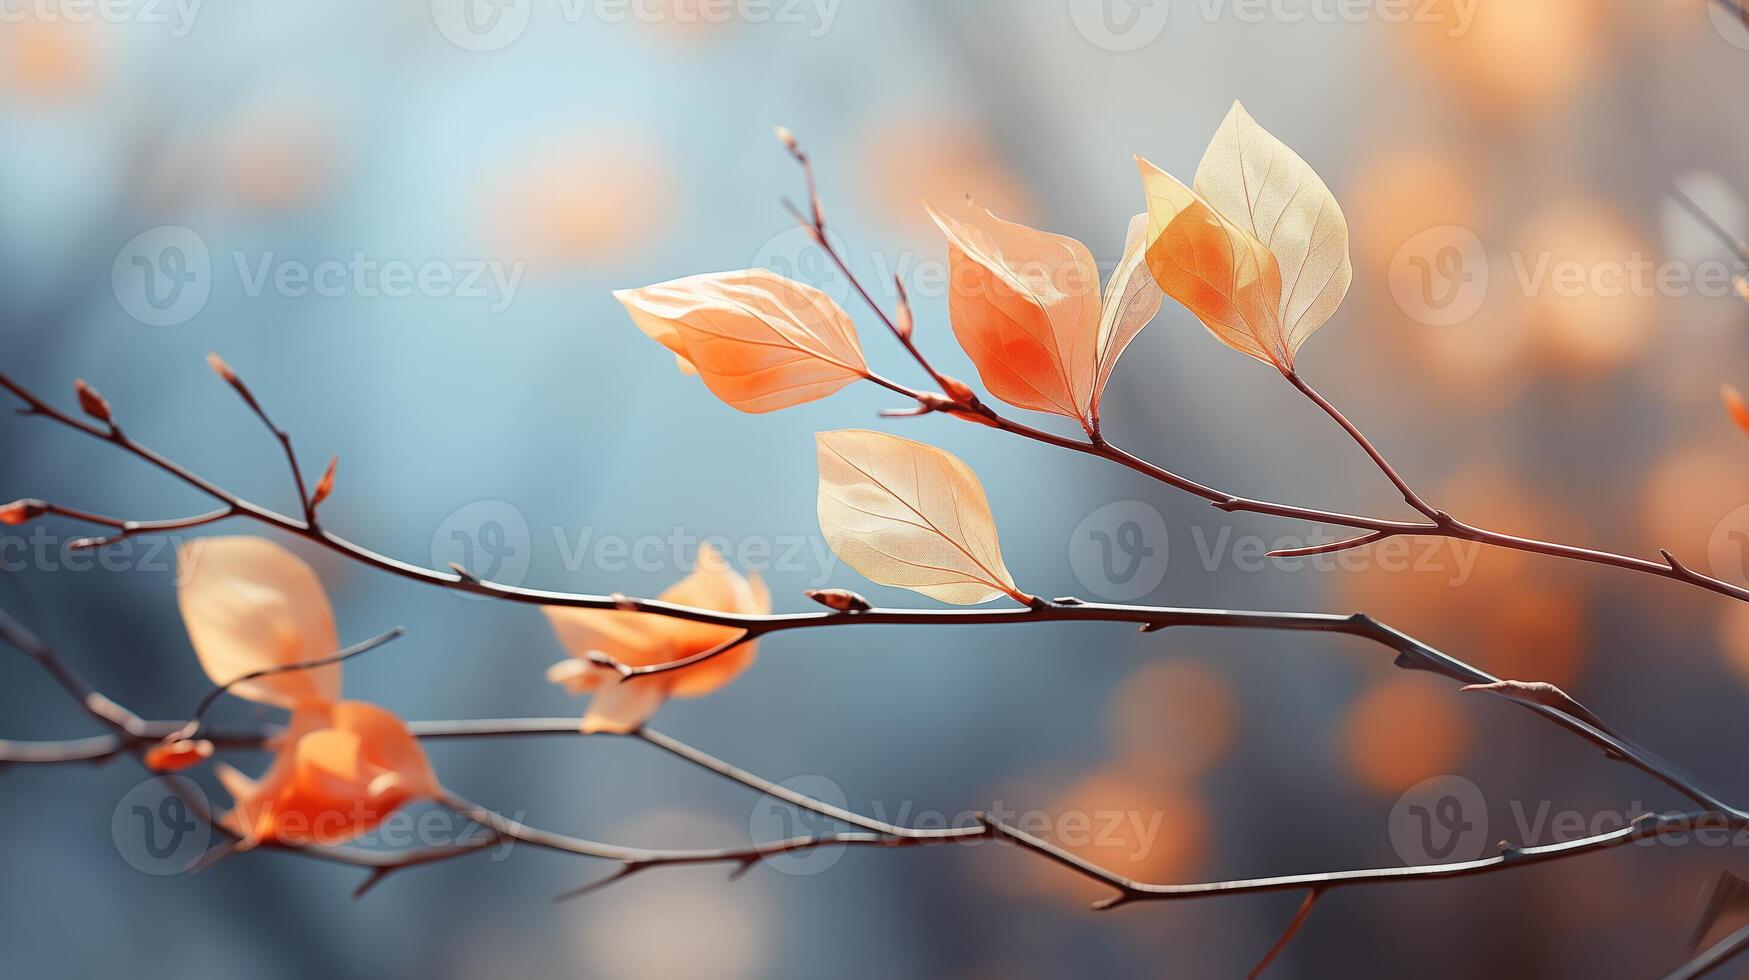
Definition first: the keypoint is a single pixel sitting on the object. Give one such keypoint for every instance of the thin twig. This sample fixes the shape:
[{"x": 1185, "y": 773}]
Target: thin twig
[
  {"x": 1293, "y": 927},
  {"x": 1714, "y": 957}
]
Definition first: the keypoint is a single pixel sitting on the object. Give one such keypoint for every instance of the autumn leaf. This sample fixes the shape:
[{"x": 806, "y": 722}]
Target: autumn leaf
[
  {"x": 251, "y": 605},
  {"x": 1216, "y": 269},
  {"x": 1265, "y": 188},
  {"x": 1132, "y": 298},
  {"x": 1734, "y": 404},
  {"x": 1025, "y": 306},
  {"x": 906, "y": 514},
  {"x": 635, "y": 639},
  {"x": 761, "y": 342},
  {"x": 1257, "y": 249}
]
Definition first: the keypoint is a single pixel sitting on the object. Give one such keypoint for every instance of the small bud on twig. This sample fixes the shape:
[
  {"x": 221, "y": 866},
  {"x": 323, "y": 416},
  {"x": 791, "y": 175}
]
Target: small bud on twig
[
  {"x": 958, "y": 390},
  {"x": 20, "y": 511},
  {"x": 903, "y": 323},
  {"x": 220, "y": 368},
  {"x": 91, "y": 402},
  {"x": 843, "y": 600},
  {"x": 178, "y": 755},
  {"x": 787, "y": 138},
  {"x": 325, "y": 485}
]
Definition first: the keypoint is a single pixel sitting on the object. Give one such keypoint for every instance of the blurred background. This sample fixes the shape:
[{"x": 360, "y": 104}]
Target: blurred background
[{"x": 401, "y": 223}]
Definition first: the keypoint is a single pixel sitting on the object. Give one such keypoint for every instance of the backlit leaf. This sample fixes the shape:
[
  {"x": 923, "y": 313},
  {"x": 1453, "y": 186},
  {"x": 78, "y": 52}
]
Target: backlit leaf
[{"x": 906, "y": 514}]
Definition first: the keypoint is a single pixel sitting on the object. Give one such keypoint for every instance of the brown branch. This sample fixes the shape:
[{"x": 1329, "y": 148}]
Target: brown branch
[
  {"x": 1287, "y": 936},
  {"x": 1714, "y": 957}
]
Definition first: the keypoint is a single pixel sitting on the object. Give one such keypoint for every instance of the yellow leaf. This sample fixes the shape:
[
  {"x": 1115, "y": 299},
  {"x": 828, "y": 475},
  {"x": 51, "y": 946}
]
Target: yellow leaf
[
  {"x": 761, "y": 342},
  {"x": 1025, "y": 306},
  {"x": 906, "y": 514},
  {"x": 1264, "y": 187},
  {"x": 1220, "y": 271},
  {"x": 249, "y": 605}
]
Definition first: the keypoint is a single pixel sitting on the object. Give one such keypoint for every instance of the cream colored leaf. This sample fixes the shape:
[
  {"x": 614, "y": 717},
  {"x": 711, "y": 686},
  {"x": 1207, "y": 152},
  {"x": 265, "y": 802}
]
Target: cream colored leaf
[
  {"x": 1266, "y": 188},
  {"x": 760, "y": 341},
  {"x": 906, "y": 514},
  {"x": 249, "y": 605},
  {"x": 1216, "y": 269},
  {"x": 1132, "y": 298}
]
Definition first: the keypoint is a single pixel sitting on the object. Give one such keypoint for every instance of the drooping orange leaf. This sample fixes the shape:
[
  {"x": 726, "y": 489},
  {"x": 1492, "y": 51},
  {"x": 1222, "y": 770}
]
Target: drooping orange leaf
[
  {"x": 906, "y": 514},
  {"x": 760, "y": 341},
  {"x": 1734, "y": 404},
  {"x": 249, "y": 605},
  {"x": 637, "y": 639},
  {"x": 1025, "y": 306},
  {"x": 339, "y": 771},
  {"x": 1218, "y": 270},
  {"x": 1264, "y": 187}
]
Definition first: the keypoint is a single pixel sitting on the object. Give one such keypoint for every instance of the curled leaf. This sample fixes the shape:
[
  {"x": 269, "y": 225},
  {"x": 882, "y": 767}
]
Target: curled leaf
[
  {"x": 1217, "y": 269},
  {"x": 249, "y": 605},
  {"x": 325, "y": 485},
  {"x": 1132, "y": 298},
  {"x": 1545, "y": 694},
  {"x": 759, "y": 341},
  {"x": 906, "y": 514},
  {"x": 1267, "y": 189}
]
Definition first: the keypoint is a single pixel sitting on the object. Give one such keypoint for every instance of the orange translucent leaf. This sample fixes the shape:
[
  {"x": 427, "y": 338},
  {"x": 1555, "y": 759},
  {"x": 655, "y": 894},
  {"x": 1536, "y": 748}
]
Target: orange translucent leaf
[
  {"x": 761, "y": 342},
  {"x": 1267, "y": 189},
  {"x": 339, "y": 771},
  {"x": 1025, "y": 306},
  {"x": 249, "y": 605},
  {"x": 179, "y": 755},
  {"x": 1218, "y": 270},
  {"x": 1734, "y": 404},
  {"x": 906, "y": 514},
  {"x": 641, "y": 640},
  {"x": 325, "y": 485}
]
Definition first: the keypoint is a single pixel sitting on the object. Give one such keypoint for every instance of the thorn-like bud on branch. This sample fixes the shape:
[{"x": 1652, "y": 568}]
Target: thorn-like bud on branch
[
  {"x": 86, "y": 544},
  {"x": 325, "y": 485},
  {"x": 462, "y": 572},
  {"x": 787, "y": 138},
  {"x": 903, "y": 322},
  {"x": 178, "y": 755},
  {"x": 91, "y": 402},
  {"x": 623, "y": 602},
  {"x": 843, "y": 600},
  {"x": 21, "y": 511},
  {"x": 220, "y": 368}
]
